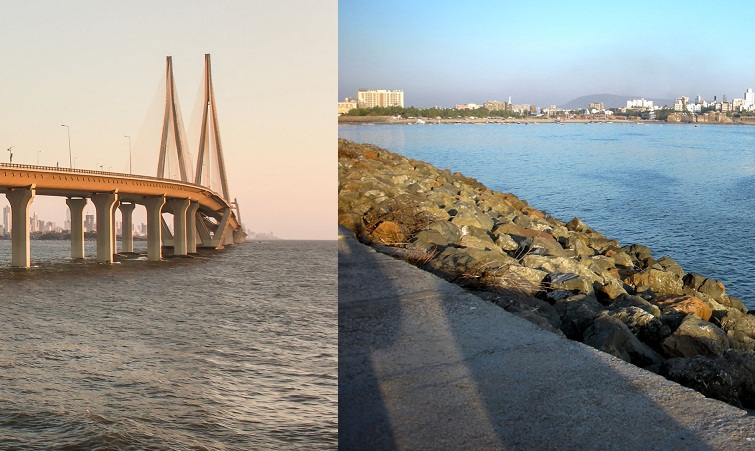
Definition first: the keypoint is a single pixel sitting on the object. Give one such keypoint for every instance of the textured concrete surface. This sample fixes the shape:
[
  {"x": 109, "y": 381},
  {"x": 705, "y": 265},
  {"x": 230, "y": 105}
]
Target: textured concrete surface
[{"x": 425, "y": 365}]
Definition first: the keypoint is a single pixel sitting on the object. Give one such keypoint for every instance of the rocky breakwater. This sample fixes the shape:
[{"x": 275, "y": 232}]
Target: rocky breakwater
[{"x": 563, "y": 276}]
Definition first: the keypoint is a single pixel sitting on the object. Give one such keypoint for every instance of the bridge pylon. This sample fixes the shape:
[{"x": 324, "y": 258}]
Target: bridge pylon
[
  {"x": 210, "y": 162},
  {"x": 173, "y": 135}
]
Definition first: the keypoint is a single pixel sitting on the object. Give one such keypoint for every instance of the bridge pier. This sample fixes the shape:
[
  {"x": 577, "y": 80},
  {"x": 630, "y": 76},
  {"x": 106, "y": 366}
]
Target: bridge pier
[
  {"x": 104, "y": 204},
  {"x": 76, "y": 206},
  {"x": 154, "y": 227},
  {"x": 127, "y": 227},
  {"x": 191, "y": 227},
  {"x": 179, "y": 208},
  {"x": 20, "y": 199},
  {"x": 113, "y": 230}
]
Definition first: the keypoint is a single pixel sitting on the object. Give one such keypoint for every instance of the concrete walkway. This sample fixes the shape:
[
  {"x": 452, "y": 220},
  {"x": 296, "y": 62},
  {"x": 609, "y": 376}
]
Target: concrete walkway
[{"x": 422, "y": 364}]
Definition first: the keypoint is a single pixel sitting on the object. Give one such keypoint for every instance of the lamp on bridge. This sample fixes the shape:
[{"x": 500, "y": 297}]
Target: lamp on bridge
[
  {"x": 10, "y": 149},
  {"x": 70, "y": 162},
  {"x": 129, "y": 153},
  {"x": 39, "y": 152}
]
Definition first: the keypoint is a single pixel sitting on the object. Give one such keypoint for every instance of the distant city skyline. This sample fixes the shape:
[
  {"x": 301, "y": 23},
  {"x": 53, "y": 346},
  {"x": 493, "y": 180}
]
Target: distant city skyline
[{"x": 544, "y": 53}]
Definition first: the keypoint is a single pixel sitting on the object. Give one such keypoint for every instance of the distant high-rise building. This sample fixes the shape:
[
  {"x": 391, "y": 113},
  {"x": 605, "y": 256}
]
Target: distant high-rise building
[
  {"x": 749, "y": 99},
  {"x": 89, "y": 223},
  {"x": 6, "y": 219},
  {"x": 371, "y": 98}
]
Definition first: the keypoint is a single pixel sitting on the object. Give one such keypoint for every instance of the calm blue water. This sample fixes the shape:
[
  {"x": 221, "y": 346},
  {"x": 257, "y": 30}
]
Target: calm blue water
[
  {"x": 686, "y": 192},
  {"x": 232, "y": 350}
]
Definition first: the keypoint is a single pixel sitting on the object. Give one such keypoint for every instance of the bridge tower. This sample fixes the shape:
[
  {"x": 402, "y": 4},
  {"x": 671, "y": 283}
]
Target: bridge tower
[
  {"x": 173, "y": 134},
  {"x": 210, "y": 165}
]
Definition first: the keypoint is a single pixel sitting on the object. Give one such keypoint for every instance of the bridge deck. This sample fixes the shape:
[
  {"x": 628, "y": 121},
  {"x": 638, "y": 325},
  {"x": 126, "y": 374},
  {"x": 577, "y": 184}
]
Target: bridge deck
[{"x": 65, "y": 182}]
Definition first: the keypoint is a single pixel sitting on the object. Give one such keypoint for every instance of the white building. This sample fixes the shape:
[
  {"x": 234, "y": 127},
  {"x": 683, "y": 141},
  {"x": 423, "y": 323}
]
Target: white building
[
  {"x": 749, "y": 103},
  {"x": 383, "y": 98},
  {"x": 640, "y": 104},
  {"x": 467, "y": 106},
  {"x": 681, "y": 103},
  {"x": 347, "y": 105}
]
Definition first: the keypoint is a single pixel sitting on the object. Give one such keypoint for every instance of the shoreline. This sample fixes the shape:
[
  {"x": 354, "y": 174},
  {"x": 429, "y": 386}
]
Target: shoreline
[
  {"x": 372, "y": 120},
  {"x": 564, "y": 277}
]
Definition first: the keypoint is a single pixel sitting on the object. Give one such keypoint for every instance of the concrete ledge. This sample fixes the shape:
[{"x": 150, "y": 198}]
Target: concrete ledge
[{"x": 424, "y": 364}]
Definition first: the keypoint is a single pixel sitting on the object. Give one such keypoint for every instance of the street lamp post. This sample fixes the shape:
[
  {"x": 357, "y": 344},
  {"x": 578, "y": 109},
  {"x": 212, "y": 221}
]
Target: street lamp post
[
  {"x": 70, "y": 162},
  {"x": 39, "y": 152},
  {"x": 10, "y": 150},
  {"x": 129, "y": 153}
]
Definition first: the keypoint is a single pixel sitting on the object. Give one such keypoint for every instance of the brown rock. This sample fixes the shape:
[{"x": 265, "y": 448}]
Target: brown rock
[
  {"x": 685, "y": 304},
  {"x": 661, "y": 282},
  {"x": 388, "y": 232}
]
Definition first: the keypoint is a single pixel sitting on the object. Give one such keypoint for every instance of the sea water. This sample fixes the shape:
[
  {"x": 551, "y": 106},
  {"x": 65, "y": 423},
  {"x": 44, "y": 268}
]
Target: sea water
[
  {"x": 231, "y": 349},
  {"x": 685, "y": 191}
]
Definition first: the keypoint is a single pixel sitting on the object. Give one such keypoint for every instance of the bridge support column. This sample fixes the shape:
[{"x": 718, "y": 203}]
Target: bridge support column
[
  {"x": 76, "y": 206},
  {"x": 19, "y": 200},
  {"x": 154, "y": 227},
  {"x": 191, "y": 227},
  {"x": 104, "y": 204},
  {"x": 179, "y": 208},
  {"x": 113, "y": 227},
  {"x": 127, "y": 227}
]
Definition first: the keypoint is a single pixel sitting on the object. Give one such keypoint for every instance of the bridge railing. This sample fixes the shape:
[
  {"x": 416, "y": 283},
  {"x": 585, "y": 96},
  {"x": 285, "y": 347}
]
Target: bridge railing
[{"x": 91, "y": 172}]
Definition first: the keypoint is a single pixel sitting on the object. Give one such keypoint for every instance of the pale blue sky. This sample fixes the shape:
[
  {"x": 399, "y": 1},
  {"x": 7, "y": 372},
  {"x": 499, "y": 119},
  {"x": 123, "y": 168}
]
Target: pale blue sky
[
  {"x": 544, "y": 52},
  {"x": 97, "y": 66}
]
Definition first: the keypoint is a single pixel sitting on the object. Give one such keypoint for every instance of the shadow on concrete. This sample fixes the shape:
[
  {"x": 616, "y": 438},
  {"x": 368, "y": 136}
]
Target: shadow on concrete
[{"x": 425, "y": 365}]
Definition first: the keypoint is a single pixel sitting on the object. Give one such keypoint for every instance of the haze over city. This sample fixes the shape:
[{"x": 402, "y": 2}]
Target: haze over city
[
  {"x": 98, "y": 68},
  {"x": 445, "y": 53}
]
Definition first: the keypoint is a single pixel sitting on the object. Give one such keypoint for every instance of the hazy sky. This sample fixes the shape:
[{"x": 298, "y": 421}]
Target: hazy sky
[
  {"x": 98, "y": 66},
  {"x": 544, "y": 52}
]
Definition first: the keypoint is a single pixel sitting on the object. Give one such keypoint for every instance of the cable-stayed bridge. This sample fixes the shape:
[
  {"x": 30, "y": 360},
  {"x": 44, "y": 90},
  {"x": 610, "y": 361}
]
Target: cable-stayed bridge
[{"x": 202, "y": 217}]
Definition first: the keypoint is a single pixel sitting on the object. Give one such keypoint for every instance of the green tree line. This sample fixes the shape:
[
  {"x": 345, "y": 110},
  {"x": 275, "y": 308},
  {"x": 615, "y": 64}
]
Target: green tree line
[{"x": 444, "y": 113}]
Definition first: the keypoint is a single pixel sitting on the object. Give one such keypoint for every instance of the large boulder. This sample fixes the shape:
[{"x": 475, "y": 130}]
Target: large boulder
[
  {"x": 644, "y": 325},
  {"x": 609, "y": 290},
  {"x": 567, "y": 282},
  {"x": 467, "y": 264},
  {"x": 611, "y": 335},
  {"x": 506, "y": 242},
  {"x": 640, "y": 255},
  {"x": 729, "y": 378},
  {"x": 628, "y": 300},
  {"x": 579, "y": 244},
  {"x": 621, "y": 259},
  {"x": 685, "y": 304},
  {"x": 706, "y": 285},
  {"x": 551, "y": 264},
  {"x": 477, "y": 238},
  {"x": 389, "y": 233},
  {"x": 527, "y": 279},
  {"x": 696, "y": 337},
  {"x": 438, "y": 234},
  {"x": 741, "y": 341},
  {"x": 542, "y": 245},
  {"x": 469, "y": 215},
  {"x": 519, "y": 234},
  {"x": 734, "y": 320},
  {"x": 576, "y": 225},
  {"x": 668, "y": 264},
  {"x": 577, "y": 313},
  {"x": 659, "y": 281}
]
